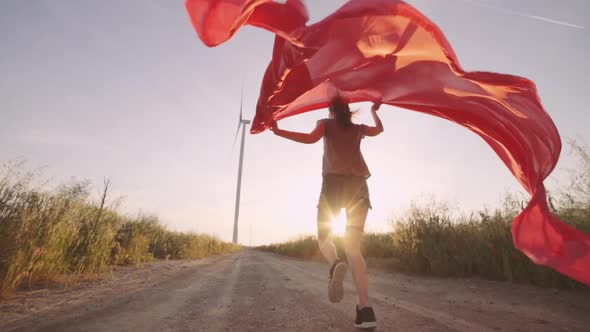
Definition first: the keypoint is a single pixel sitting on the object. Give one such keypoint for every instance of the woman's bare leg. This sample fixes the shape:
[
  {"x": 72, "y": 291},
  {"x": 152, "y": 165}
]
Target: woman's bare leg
[
  {"x": 325, "y": 216},
  {"x": 360, "y": 277},
  {"x": 328, "y": 249},
  {"x": 352, "y": 247}
]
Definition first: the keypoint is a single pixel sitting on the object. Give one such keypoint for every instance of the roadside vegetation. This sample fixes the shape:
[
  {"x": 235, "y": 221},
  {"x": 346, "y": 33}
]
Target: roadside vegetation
[
  {"x": 435, "y": 240},
  {"x": 61, "y": 235}
]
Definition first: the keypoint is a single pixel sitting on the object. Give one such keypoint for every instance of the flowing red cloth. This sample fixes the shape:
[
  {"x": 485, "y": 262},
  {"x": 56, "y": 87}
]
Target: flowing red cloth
[{"x": 387, "y": 51}]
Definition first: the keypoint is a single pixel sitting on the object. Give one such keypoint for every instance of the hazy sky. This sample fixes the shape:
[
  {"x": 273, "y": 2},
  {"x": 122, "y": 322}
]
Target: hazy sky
[{"x": 125, "y": 90}]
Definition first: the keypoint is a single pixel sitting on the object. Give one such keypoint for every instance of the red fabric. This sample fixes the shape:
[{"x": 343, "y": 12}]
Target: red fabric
[
  {"x": 216, "y": 21},
  {"x": 386, "y": 51}
]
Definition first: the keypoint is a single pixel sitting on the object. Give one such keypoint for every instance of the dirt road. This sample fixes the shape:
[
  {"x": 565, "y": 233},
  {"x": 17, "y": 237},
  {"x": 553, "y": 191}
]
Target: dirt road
[{"x": 256, "y": 291}]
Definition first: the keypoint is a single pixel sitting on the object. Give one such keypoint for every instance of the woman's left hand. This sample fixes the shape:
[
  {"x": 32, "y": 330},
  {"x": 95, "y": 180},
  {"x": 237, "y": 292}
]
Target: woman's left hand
[{"x": 273, "y": 126}]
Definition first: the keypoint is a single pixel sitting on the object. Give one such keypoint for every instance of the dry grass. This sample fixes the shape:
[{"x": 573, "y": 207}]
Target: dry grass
[
  {"x": 63, "y": 234},
  {"x": 432, "y": 239}
]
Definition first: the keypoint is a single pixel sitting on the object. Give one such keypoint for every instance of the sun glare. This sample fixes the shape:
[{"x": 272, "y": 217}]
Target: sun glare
[{"x": 339, "y": 223}]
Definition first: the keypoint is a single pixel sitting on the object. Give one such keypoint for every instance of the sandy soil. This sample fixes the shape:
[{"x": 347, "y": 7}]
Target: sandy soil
[{"x": 256, "y": 291}]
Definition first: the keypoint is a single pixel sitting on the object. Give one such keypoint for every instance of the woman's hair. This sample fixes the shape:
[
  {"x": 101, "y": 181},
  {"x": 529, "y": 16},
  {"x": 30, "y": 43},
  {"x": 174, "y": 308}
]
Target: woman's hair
[{"x": 341, "y": 111}]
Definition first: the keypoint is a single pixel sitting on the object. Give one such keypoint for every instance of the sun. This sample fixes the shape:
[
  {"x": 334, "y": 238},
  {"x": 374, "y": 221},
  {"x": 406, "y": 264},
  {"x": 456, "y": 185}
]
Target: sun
[{"x": 339, "y": 223}]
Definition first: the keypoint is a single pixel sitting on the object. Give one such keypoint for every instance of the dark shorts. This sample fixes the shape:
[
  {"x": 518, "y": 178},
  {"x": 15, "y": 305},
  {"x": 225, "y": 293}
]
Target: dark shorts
[{"x": 343, "y": 192}]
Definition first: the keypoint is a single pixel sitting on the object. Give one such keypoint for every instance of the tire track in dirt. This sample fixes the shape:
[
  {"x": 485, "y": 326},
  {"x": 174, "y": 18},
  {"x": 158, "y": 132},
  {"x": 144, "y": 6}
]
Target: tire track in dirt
[
  {"x": 153, "y": 309},
  {"x": 268, "y": 300},
  {"x": 207, "y": 310}
]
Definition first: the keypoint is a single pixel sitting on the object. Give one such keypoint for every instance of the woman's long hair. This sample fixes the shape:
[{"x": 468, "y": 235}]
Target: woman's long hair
[{"x": 341, "y": 111}]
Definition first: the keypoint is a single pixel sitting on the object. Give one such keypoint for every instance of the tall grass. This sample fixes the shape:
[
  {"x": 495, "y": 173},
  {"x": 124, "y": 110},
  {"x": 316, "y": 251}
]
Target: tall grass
[
  {"x": 432, "y": 239},
  {"x": 429, "y": 241},
  {"x": 378, "y": 245},
  {"x": 46, "y": 235},
  {"x": 305, "y": 247}
]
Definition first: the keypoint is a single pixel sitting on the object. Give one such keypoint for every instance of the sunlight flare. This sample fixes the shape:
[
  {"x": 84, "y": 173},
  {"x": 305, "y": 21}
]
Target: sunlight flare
[{"x": 339, "y": 223}]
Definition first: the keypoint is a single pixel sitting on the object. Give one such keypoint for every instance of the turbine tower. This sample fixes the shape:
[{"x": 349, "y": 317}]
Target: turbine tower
[{"x": 241, "y": 125}]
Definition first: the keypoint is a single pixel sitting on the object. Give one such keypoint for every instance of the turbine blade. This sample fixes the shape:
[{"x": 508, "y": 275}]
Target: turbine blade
[
  {"x": 236, "y": 137},
  {"x": 241, "y": 101}
]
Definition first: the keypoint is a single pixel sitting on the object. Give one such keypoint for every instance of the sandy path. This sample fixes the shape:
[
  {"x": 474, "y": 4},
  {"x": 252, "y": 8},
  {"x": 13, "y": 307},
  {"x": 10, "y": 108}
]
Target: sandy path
[{"x": 255, "y": 291}]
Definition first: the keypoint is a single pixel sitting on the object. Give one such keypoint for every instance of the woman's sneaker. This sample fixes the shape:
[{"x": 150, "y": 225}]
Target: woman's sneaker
[
  {"x": 335, "y": 286},
  {"x": 365, "y": 318}
]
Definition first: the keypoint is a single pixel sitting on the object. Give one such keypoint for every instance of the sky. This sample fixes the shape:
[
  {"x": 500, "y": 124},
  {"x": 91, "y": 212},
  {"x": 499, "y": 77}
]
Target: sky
[{"x": 125, "y": 90}]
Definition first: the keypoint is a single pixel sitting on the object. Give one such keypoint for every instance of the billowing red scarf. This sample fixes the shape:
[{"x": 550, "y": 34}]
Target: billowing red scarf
[{"x": 386, "y": 51}]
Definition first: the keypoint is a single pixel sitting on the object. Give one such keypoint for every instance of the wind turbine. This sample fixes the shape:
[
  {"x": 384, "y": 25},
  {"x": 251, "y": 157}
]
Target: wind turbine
[{"x": 241, "y": 125}]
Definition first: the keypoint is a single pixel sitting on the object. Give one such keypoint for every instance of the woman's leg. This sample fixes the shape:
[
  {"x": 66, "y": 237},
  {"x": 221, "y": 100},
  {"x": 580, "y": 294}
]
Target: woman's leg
[
  {"x": 327, "y": 247},
  {"x": 352, "y": 246},
  {"x": 328, "y": 250},
  {"x": 338, "y": 268}
]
